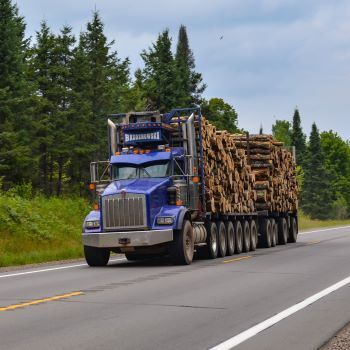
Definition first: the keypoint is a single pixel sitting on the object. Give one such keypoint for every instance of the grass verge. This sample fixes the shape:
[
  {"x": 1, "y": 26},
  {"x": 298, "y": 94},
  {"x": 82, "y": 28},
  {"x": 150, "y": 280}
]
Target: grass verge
[
  {"x": 40, "y": 229},
  {"x": 305, "y": 223}
]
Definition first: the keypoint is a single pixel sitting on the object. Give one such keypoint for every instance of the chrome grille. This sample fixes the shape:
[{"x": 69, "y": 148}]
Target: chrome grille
[{"x": 124, "y": 213}]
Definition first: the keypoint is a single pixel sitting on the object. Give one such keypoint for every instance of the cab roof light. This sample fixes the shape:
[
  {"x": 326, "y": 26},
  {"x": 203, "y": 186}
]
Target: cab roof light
[
  {"x": 168, "y": 149},
  {"x": 117, "y": 153}
]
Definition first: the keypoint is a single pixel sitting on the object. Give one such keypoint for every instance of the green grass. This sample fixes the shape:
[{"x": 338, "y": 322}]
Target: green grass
[
  {"x": 305, "y": 223},
  {"x": 40, "y": 229}
]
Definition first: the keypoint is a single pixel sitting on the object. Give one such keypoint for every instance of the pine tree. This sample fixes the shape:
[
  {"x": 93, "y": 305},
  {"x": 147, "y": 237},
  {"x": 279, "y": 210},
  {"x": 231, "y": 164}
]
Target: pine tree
[
  {"x": 159, "y": 74},
  {"x": 99, "y": 81},
  {"x": 43, "y": 72},
  {"x": 316, "y": 193},
  {"x": 63, "y": 138},
  {"x": 15, "y": 95},
  {"x": 189, "y": 86},
  {"x": 298, "y": 138}
]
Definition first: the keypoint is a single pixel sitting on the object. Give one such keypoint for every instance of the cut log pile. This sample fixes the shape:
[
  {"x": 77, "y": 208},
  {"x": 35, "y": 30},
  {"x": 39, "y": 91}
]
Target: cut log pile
[
  {"x": 247, "y": 173},
  {"x": 274, "y": 171},
  {"x": 229, "y": 180}
]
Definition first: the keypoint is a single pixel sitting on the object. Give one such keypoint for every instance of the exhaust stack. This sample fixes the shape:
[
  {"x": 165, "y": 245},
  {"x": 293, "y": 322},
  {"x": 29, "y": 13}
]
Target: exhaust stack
[{"x": 112, "y": 136}]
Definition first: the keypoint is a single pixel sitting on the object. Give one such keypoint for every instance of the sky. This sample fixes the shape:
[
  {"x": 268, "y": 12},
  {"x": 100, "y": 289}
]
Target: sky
[{"x": 264, "y": 57}]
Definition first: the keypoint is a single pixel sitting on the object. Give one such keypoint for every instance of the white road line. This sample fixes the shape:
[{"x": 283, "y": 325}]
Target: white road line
[
  {"x": 51, "y": 269},
  {"x": 251, "y": 332},
  {"x": 326, "y": 229}
]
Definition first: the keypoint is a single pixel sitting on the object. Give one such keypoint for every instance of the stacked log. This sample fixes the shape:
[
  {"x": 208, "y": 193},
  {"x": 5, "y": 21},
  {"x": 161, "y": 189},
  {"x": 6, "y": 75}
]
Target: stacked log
[
  {"x": 274, "y": 171},
  {"x": 229, "y": 180}
]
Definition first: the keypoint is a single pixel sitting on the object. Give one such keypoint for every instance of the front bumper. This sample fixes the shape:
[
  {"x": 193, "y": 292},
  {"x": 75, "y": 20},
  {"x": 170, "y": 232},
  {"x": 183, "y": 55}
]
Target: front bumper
[{"x": 127, "y": 239}]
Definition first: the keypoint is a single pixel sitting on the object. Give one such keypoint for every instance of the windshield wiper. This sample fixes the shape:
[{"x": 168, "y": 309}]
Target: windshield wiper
[{"x": 147, "y": 173}]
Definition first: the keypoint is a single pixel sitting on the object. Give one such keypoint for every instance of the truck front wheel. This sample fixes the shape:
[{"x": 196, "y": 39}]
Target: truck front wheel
[
  {"x": 182, "y": 248},
  {"x": 96, "y": 256}
]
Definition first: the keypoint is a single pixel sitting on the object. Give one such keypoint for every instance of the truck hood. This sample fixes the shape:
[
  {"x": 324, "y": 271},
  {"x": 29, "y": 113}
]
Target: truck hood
[{"x": 146, "y": 186}]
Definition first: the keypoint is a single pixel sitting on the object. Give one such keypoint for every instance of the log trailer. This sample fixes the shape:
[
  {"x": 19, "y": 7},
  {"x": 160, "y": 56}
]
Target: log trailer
[{"x": 152, "y": 198}]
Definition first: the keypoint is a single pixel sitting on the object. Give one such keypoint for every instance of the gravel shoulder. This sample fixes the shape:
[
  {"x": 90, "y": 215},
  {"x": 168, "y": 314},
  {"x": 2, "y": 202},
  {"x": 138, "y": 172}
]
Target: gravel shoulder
[{"x": 341, "y": 341}]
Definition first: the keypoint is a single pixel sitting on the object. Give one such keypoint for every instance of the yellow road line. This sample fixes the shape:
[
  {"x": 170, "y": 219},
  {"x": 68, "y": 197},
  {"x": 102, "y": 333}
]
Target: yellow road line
[
  {"x": 39, "y": 301},
  {"x": 237, "y": 259},
  {"x": 313, "y": 242}
]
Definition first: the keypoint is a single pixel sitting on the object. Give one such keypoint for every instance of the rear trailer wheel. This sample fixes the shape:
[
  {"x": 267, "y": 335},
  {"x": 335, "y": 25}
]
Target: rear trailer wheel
[
  {"x": 246, "y": 236},
  {"x": 282, "y": 231},
  {"x": 253, "y": 235},
  {"x": 211, "y": 250},
  {"x": 230, "y": 231},
  {"x": 239, "y": 237},
  {"x": 274, "y": 233},
  {"x": 222, "y": 238},
  {"x": 266, "y": 233},
  {"x": 293, "y": 230},
  {"x": 182, "y": 247},
  {"x": 96, "y": 256}
]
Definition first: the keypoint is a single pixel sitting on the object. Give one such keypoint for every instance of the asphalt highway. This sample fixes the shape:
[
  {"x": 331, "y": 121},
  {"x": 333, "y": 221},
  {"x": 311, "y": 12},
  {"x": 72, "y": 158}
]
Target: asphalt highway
[{"x": 288, "y": 297}]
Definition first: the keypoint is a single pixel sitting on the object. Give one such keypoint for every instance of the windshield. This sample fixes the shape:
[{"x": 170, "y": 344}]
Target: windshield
[{"x": 127, "y": 171}]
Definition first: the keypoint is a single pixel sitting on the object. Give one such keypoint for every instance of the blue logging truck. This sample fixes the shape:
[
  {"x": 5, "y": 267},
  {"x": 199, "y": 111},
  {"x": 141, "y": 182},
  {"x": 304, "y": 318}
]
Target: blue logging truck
[{"x": 153, "y": 196}]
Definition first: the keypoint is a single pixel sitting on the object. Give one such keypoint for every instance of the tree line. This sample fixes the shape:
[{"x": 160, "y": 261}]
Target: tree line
[
  {"x": 323, "y": 162},
  {"x": 56, "y": 91}
]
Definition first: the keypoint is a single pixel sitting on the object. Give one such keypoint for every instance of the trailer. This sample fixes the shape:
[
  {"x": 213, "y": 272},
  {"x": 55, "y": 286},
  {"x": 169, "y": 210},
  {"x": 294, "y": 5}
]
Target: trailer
[{"x": 152, "y": 197}]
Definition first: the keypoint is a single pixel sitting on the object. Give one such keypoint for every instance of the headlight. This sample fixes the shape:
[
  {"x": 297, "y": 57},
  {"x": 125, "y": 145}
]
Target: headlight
[
  {"x": 92, "y": 224},
  {"x": 165, "y": 220}
]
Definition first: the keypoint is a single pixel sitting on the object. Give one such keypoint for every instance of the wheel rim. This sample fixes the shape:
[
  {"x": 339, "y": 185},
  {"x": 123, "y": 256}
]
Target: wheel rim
[
  {"x": 230, "y": 243},
  {"x": 253, "y": 238},
  {"x": 247, "y": 238},
  {"x": 222, "y": 240},
  {"x": 214, "y": 243},
  {"x": 188, "y": 245},
  {"x": 239, "y": 240}
]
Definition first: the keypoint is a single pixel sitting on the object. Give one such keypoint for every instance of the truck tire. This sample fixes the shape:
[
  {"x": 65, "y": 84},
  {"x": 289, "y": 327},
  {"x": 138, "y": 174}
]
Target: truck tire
[
  {"x": 211, "y": 250},
  {"x": 266, "y": 232},
  {"x": 222, "y": 235},
  {"x": 293, "y": 230},
  {"x": 274, "y": 233},
  {"x": 253, "y": 235},
  {"x": 182, "y": 247},
  {"x": 282, "y": 231},
  {"x": 96, "y": 256},
  {"x": 246, "y": 236},
  {"x": 239, "y": 237},
  {"x": 231, "y": 241}
]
